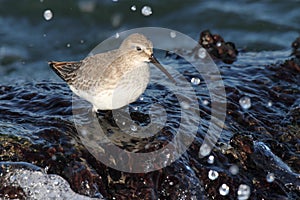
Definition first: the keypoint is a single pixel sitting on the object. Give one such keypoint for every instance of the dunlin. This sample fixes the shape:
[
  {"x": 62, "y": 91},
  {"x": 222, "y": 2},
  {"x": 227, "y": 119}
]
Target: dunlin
[{"x": 112, "y": 79}]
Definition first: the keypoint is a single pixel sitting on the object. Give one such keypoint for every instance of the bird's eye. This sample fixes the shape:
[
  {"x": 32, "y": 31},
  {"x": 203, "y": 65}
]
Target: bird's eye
[{"x": 138, "y": 48}]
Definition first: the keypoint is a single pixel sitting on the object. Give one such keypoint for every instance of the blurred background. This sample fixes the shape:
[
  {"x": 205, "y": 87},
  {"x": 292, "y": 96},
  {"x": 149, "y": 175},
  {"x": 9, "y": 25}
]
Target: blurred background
[{"x": 33, "y": 32}]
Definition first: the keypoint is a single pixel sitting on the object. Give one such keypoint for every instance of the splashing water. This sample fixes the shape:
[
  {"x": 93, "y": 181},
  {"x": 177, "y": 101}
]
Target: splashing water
[
  {"x": 202, "y": 53},
  {"x": 48, "y": 15},
  {"x": 211, "y": 159},
  {"x": 224, "y": 189},
  {"x": 213, "y": 175},
  {"x": 87, "y": 6},
  {"x": 146, "y": 10},
  {"x": 270, "y": 104},
  {"x": 205, "y": 102},
  {"x": 245, "y": 102},
  {"x": 116, "y": 20},
  {"x": 270, "y": 177},
  {"x": 195, "y": 81},
  {"x": 234, "y": 169},
  {"x": 204, "y": 150},
  {"x": 133, "y": 127},
  {"x": 37, "y": 185},
  {"x": 133, "y": 8},
  {"x": 243, "y": 192},
  {"x": 173, "y": 34}
]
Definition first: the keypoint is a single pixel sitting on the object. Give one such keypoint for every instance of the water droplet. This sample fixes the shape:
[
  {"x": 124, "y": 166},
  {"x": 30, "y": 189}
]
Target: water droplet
[
  {"x": 171, "y": 183},
  {"x": 133, "y": 127},
  {"x": 117, "y": 35},
  {"x": 213, "y": 175},
  {"x": 54, "y": 157},
  {"x": 73, "y": 141},
  {"x": 146, "y": 10},
  {"x": 234, "y": 169},
  {"x": 270, "y": 104},
  {"x": 205, "y": 102},
  {"x": 56, "y": 183},
  {"x": 12, "y": 179},
  {"x": 224, "y": 189},
  {"x": 185, "y": 105},
  {"x": 204, "y": 150},
  {"x": 48, "y": 15},
  {"x": 133, "y": 8},
  {"x": 135, "y": 108},
  {"x": 68, "y": 45},
  {"x": 202, "y": 53},
  {"x": 116, "y": 20},
  {"x": 211, "y": 159},
  {"x": 270, "y": 177},
  {"x": 245, "y": 102},
  {"x": 243, "y": 192},
  {"x": 173, "y": 34},
  {"x": 195, "y": 81},
  {"x": 187, "y": 167},
  {"x": 84, "y": 132},
  {"x": 219, "y": 44},
  {"x": 46, "y": 169},
  {"x": 123, "y": 123},
  {"x": 44, "y": 35},
  {"x": 86, "y": 6}
]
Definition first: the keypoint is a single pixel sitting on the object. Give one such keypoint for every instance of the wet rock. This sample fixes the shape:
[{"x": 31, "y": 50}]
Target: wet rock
[
  {"x": 37, "y": 126},
  {"x": 257, "y": 156},
  {"x": 296, "y": 47},
  {"x": 217, "y": 48},
  {"x": 26, "y": 181},
  {"x": 293, "y": 64}
]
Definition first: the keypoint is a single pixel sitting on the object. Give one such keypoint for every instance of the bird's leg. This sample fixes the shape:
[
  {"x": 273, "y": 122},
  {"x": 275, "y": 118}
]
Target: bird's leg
[
  {"x": 94, "y": 109},
  {"x": 104, "y": 115},
  {"x": 95, "y": 112}
]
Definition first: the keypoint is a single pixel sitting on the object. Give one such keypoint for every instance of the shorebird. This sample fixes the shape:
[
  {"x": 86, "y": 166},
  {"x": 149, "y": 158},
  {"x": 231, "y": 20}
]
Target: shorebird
[{"x": 112, "y": 79}]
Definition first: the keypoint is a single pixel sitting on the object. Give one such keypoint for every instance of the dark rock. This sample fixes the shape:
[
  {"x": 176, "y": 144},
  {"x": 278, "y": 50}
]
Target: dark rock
[
  {"x": 296, "y": 47},
  {"x": 217, "y": 48}
]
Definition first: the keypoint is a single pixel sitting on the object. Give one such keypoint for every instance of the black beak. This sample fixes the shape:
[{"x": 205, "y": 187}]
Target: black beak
[{"x": 159, "y": 66}]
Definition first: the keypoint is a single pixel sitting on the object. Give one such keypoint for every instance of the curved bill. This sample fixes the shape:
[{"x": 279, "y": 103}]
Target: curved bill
[{"x": 159, "y": 66}]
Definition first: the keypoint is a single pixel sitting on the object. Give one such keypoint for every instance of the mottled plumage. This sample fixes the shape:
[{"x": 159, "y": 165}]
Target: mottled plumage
[{"x": 112, "y": 79}]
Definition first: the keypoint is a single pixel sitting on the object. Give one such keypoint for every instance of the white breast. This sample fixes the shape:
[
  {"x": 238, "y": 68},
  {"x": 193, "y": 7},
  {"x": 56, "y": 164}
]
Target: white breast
[{"x": 130, "y": 86}]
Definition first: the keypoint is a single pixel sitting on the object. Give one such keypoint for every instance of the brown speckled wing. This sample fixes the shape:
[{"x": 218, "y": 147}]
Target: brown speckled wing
[{"x": 65, "y": 70}]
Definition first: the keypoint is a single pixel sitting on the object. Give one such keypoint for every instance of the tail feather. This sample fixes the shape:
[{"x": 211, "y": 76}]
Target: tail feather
[{"x": 65, "y": 70}]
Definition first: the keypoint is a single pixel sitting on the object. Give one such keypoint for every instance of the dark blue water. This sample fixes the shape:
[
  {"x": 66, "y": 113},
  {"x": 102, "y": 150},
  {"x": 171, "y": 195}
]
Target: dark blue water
[
  {"x": 36, "y": 106},
  {"x": 28, "y": 41}
]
